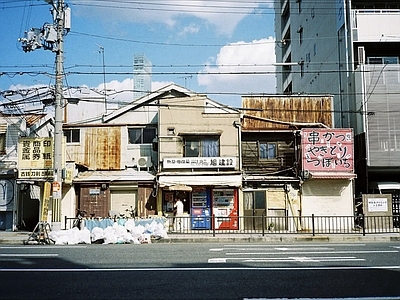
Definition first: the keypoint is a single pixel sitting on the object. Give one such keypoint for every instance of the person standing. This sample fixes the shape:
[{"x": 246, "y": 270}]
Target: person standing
[{"x": 178, "y": 214}]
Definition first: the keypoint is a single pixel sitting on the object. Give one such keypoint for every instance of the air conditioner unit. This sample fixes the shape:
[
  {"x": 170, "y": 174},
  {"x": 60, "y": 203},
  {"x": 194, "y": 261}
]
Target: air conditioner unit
[{"x": 143, "y": 162}]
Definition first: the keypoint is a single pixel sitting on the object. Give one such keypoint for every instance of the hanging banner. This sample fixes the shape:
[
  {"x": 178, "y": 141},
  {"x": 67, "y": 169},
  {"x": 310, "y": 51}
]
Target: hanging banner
[{"x": 45, "y": 201}]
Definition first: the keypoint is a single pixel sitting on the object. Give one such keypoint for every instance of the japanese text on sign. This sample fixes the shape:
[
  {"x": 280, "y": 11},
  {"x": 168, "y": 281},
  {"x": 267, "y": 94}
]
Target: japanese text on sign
[
  {"x": 327, "y": 150},
  {"x": 377, "y": 205},
  {"x": 35, "y": 157},
  {"x": 200, "y": 162}
]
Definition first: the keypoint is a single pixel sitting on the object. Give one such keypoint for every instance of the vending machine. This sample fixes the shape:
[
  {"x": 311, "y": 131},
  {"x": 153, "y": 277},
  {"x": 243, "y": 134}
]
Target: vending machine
[
  {"x": 200, "y": 214},
  {"x": 225, "y": 209}
]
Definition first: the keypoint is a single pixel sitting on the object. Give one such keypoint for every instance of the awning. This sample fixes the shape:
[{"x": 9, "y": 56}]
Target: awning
[
  {"x": 269, "y": 178},
  {"x": 114, "y": 176},
  {"x": 332, "y": 175},
  {"x": 200, "y": 180},
  {"x": 180, "y": 187}
]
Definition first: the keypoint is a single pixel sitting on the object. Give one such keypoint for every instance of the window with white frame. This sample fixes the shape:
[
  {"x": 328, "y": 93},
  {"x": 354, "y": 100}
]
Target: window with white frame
[
  {"x": 201, "y": 146},
  {"x": 72, "y": 135}
]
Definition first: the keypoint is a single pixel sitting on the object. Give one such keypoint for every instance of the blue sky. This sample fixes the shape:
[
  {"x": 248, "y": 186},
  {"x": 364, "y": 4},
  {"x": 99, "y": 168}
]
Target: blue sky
[{"x": 195, "y": 42}]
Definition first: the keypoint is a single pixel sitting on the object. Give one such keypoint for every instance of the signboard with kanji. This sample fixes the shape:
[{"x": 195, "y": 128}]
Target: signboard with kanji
[
  {"x": 35, "y": 158},
  {"x": 327, "y": 149}
]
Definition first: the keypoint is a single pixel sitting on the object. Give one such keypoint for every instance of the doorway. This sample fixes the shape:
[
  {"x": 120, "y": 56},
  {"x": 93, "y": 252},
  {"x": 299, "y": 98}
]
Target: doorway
[{"x": 255, "y": 208}]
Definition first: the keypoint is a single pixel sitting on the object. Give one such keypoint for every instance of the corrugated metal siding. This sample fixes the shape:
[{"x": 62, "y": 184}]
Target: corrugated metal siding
[
  {"x": 287, "y": 109},
  {"x": 100, "y": 148},
  {"x": 384, "y": 115}
]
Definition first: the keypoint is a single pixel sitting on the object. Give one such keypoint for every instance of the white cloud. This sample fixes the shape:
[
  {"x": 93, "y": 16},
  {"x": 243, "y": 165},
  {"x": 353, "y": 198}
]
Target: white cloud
[
  {"x": 118, "y": 91},
  {"x": 223, "y": 73},
  {"x": 224, "y": 16},
  {"x": 156, "y": 85},
  {"x": 122, "y": 91},
  {"x": 191, "y": 29}
]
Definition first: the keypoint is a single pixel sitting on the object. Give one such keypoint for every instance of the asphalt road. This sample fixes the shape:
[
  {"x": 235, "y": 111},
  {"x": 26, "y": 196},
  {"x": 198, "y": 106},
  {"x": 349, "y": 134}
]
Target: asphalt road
[{"x": 201, "y": 271}]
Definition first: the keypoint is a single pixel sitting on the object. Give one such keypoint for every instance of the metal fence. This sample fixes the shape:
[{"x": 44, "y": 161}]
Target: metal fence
[
  {"x": 263, "y": 224},
  {"x": 285, "y": 225}
]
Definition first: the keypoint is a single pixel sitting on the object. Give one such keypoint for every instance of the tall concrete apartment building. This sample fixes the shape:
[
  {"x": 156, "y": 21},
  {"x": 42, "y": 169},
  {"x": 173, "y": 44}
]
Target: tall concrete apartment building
[
  {"x": 351, "y": 50},
  {"x": 142, "y": 69}
]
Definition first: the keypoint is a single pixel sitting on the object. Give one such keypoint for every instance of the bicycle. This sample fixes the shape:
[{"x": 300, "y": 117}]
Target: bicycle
[{"x": 79, "y": 217}]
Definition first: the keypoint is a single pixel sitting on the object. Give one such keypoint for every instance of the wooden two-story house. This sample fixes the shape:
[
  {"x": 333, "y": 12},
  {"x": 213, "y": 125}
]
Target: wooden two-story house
[
  {"x": 110, "y": 160},
  {"x": 199, "y": 161},
  {"x": 275, "y": 180},
  {"x": 22, "y": 174}
]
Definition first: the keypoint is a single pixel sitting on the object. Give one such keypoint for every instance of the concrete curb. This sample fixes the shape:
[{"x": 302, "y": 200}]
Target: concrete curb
[{"x": 18, "y": 238}]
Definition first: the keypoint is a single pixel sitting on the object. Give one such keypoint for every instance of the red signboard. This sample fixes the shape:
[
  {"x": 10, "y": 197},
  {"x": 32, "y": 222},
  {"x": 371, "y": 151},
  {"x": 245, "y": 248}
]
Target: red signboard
[{"x": 327, "y": 150}]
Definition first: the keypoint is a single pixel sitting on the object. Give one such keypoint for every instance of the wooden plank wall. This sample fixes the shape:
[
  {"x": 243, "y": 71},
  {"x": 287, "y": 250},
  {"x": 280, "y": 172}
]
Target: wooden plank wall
[{"x": 310, "y": 109}]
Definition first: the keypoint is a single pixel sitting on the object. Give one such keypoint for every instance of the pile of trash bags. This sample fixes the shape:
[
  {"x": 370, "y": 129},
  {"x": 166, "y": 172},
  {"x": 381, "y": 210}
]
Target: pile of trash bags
[{"x": 122, "y": 231}]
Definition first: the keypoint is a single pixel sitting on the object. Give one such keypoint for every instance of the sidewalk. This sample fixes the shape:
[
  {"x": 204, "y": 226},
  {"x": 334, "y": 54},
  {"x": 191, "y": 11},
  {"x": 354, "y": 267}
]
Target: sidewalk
[{"x": 18, "y": 238}]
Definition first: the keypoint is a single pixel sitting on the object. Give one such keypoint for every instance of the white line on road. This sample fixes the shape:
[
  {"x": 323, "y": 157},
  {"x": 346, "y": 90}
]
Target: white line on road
[
  {"x": 297, "y": 245},
  {"x": 29, "y": 255},
  {"x": 302, "y": 248},
  {"x": 43, "y": 247},
  {"x": 312, "y": 252},
  {"x": 352, "y": 298},
  {"x": 285, "y": 259},
  {"x": 208, "y": 269},
  {"x": 270, "y": 248}
]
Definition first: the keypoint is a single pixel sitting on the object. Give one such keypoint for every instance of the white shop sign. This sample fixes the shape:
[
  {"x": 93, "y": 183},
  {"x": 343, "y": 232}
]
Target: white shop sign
[
  {"x": 377, "y": 204},
  {"x": 199, "y": 162}
]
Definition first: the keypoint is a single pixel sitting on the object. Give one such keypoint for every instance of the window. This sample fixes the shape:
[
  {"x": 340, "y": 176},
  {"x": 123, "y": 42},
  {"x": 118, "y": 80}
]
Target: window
[
  {"x": 141, "y": 135},
  {"x": 299, "y": 3},
  {"x": 267, "y": 150},
  {"x": 301, "y": 68},
  {"x": 2, "y": 143},
  {"x": 300, "y": 32},
  {"x": 72, "y": 135},
  {"x": 254, "y": 200},
  {"x": 385, "y": 60},
  {"x": 201, "y": 146},
  {"x": 308, "y": 57},
  {"x": 3, "y": 137}
]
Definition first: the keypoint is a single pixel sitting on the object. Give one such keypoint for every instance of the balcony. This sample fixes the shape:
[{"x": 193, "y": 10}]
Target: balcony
[{"x": 375, "y": 25}]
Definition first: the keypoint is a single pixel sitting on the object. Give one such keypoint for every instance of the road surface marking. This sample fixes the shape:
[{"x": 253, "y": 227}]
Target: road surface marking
[
  {"x": 297, "y": 245},
  {"x": 312, "y": 252},
  {"x": 43, "y": 247},
  {"x": 313, "y": 268},
  {"x": 352, "y": 298},
  {"x": 216, "y": 260},
  {"x": 29, "y": 255},
  {"x": 285, "y": 259},
  {"x": 302, "y": 248}
]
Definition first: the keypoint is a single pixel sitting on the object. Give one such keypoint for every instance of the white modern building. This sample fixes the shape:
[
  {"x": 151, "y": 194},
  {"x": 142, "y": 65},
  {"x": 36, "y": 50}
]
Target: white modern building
[
  {"x": 142, "y": 69},
  {"x": 349, "y": 49}
]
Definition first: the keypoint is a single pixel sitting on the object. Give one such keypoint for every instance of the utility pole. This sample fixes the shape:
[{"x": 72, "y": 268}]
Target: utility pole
[
  {"x": 51, "y": 37},
  {"x": 58, "y": 133}
]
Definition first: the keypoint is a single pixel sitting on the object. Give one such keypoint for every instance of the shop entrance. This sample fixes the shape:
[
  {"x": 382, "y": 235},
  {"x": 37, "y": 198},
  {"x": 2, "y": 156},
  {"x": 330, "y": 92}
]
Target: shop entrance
[{"x": 255, "y": 207}]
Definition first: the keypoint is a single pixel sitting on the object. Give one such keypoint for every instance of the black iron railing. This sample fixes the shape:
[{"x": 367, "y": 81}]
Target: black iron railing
[
  {"x": 284, "y": 225},
  {"x": 263, "y": 224}
]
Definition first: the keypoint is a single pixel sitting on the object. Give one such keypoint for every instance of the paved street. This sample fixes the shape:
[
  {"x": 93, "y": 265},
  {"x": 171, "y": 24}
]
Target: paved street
[{"x": 201, "y": 271}]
